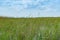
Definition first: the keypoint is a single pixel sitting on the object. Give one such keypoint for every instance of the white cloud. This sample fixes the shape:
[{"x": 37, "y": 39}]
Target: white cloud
[{"x": 35, "y": 8}]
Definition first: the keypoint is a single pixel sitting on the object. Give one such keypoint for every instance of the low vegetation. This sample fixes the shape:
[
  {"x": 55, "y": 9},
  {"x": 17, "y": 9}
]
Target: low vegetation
[{"x": 29, "y": 28}]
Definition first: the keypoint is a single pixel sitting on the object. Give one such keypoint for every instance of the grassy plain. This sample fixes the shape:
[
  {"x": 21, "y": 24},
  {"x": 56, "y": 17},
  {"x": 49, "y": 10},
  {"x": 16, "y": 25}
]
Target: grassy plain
[{"x": 29, "y": 28}]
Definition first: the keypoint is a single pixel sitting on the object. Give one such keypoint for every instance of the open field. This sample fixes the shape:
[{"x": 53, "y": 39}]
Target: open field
[{"x": 29, "y": 28}]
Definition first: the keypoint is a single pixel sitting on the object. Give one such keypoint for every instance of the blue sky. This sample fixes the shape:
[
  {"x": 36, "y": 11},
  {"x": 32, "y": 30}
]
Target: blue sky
[{"x": 30, "y": 8}]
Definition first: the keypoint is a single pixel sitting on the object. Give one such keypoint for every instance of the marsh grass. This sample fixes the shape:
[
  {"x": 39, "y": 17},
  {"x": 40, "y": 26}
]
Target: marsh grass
[{"x": 29, "y": 28}]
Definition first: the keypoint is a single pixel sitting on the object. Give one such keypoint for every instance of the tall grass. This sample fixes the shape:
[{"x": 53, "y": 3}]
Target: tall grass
[{"x": 29, "y": 28}]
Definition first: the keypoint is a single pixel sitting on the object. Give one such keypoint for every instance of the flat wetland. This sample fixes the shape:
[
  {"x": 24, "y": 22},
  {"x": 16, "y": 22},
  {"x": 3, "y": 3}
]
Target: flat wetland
[{"x": 47, "y": 28}]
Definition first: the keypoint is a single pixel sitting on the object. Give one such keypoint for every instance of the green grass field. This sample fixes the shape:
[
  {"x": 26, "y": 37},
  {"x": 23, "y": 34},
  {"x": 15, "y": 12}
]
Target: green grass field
[{"x": 29, "y": 28}]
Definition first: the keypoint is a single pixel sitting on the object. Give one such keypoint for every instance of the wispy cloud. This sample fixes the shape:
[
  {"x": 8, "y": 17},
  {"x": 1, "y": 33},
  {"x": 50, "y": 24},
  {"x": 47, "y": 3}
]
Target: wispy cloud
[{"x": 29, "y": 8}]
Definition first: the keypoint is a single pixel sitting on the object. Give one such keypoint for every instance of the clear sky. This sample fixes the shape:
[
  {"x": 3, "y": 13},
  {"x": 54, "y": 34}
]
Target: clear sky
[{"x": 30, "y": 8}]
